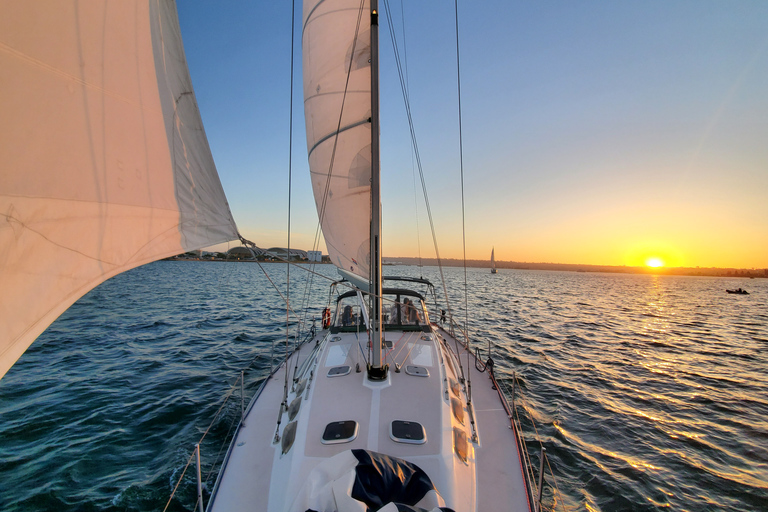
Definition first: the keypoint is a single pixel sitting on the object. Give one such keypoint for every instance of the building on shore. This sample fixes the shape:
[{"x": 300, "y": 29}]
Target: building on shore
[{"x": 282, "y": 253}]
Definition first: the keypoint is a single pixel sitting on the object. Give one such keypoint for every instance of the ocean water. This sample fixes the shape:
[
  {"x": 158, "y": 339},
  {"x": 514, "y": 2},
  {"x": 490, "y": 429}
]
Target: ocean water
[{"x": 649, "y": 392}]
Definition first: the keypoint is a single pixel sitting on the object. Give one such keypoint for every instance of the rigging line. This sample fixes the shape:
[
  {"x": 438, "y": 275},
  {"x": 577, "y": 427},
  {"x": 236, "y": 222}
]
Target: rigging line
[
  {"x": 406, "y": 100},
  {"x": 221, "y": 449},
  {"x": 413, "y": 164},
  {"x": 290, "y": 162},
  {"x": 215, "y": 416},
  {"x": 273, "y": 283},
  {"x": 184, "y": 471},
  {"x": 404, "y": 84},
  {"x": 463, "y": 223},
  {"x": 321, "y": 216}
]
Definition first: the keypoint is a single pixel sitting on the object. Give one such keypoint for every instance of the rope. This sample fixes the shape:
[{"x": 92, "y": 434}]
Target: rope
[
  {"x": 288, "y": 267},
  {"x": 406, "y": 101},
  {"x": 463, "y": 223},
  {"x": 526, "y": 408},
  {"x": 221, "y": 448},
  {"x": 189, "y": 461}
]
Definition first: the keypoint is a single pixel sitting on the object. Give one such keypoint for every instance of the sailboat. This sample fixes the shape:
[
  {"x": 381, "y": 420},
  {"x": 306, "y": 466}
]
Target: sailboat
[
  {"x": 378, "y": 412},
  {"x": 493, "y": 262},
  {"x": 384, "y": 408}
]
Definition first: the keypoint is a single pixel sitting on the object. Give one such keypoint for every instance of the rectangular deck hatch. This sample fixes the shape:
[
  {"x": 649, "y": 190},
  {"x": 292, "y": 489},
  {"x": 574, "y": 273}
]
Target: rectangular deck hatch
[
  {"x": 340, "y": 432},
  {"x": 417, "y": 371},
  {"x": 338, "y": 371},
  {"x": 407, "y": 432}
]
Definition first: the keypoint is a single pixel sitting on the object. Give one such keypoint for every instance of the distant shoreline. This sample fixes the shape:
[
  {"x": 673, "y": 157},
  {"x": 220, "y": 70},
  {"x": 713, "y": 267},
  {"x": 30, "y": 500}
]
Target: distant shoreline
[
  {"x": 563, "y": 267},
  {"x": 615, "y": 269}
]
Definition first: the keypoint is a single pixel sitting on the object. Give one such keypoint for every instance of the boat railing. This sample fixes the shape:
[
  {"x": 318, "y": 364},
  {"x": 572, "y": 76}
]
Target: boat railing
[
  {"x": 237, "y": 420},
  {"x": 227, "y": 399},
  {"x": 514, "y": 401}
]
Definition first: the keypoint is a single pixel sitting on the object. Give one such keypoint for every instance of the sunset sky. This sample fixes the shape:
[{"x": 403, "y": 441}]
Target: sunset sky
[{"x": 594, "y": 132}]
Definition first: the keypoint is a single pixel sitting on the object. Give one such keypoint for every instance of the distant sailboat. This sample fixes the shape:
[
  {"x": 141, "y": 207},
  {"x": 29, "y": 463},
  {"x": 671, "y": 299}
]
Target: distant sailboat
[{"x": 493, "y": 263}]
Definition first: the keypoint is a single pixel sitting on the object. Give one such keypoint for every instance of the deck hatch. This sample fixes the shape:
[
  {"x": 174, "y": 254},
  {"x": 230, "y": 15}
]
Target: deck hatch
[
  {"x": 417, "y": 371},
  {"x": 339, "y": 371},
  {"x": 407, "y": 432},
  {"x": 340, "y": 432}
]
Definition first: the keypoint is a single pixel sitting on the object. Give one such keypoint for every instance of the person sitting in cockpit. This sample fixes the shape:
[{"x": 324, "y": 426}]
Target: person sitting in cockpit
[
  {"x": 347, "y": 318},
  {"x": 395, "y": 313},
  {"x": 407, "y": 307}
]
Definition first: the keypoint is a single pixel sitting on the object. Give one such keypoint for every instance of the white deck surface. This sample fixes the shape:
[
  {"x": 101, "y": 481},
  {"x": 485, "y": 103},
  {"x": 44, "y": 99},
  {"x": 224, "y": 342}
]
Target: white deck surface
[{"x": 259, "y": 477}]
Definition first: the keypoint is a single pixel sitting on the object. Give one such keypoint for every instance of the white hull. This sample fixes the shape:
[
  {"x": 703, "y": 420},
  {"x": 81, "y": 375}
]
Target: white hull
[{"x": 257, "y": 476}]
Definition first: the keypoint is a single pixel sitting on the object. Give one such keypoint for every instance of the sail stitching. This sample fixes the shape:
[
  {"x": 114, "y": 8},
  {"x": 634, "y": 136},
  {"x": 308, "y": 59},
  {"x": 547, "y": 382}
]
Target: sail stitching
[{"x": 51, "y": 69}]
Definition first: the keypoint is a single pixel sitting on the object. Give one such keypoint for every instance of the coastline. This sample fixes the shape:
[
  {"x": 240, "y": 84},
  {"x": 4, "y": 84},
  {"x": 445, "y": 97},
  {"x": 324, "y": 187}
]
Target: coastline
[{"x": 515, "y": 265}]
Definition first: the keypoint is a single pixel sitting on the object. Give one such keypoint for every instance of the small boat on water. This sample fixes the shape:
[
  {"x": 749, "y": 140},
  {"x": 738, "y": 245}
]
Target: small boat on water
[
  {"x": 738, "y": 291},
  {"x": 493, "y": 262}
]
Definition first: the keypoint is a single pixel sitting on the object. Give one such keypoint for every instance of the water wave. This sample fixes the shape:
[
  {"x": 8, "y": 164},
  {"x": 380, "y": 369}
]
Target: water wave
[{"x": 648, "y": 391}]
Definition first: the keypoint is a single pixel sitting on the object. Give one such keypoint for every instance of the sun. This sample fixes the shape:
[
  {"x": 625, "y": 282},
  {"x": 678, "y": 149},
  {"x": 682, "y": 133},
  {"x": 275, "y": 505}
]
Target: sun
[{"x": 654, "y": 262}]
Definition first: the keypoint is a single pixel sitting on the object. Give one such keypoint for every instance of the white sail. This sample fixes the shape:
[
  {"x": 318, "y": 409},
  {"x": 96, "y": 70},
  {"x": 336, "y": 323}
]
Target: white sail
[
  {"x": 104, "y": 164},
  {"x": 337, "y": 109}
]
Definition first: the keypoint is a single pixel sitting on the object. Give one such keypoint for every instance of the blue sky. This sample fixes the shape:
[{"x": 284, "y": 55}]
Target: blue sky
[{"x": 594, "y": 132}]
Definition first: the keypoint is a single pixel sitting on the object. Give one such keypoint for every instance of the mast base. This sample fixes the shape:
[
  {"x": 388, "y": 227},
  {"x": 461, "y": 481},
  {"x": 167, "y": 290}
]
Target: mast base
[{"x": 378, "y": 374}]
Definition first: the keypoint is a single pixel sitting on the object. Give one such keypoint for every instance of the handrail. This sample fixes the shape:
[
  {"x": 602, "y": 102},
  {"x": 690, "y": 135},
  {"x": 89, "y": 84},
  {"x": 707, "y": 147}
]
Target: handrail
[
  {"x": 196, "y": 451},
  {"x": 239, "y": 383},
  {"x": 519, "y": 398}
]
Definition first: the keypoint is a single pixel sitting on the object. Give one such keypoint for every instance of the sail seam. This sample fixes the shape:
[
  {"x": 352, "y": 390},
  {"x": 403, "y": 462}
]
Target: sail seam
[
  {"x": 56, "y": 71},
  {"x": 337, "y": 132}
]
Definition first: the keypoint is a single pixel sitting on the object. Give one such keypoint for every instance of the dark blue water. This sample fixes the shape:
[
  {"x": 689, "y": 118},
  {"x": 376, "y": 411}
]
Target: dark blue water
[{"x": 648, "y": 392}]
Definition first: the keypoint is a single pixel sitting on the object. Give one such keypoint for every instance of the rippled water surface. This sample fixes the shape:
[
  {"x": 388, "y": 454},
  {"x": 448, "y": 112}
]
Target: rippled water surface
[{"x": 649, "y": 391}]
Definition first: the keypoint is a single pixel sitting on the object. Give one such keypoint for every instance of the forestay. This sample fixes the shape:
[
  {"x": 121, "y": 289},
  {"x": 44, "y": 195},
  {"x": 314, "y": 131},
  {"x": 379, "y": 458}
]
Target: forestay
[
  {"x": 337, "y": 108},
  {"x": 104, "y": 162}
]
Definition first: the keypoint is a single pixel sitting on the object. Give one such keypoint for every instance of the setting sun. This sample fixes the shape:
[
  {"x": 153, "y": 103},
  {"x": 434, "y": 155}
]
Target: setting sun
[{"x": 654, "y": 262}]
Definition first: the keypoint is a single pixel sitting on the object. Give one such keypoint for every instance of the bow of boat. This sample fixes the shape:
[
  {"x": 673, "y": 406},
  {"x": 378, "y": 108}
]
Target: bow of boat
[{"x": 431, "y": 416}]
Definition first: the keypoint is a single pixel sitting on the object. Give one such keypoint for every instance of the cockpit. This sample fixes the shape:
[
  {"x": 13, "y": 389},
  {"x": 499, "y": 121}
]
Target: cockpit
[{"x": 402, "y": 310}]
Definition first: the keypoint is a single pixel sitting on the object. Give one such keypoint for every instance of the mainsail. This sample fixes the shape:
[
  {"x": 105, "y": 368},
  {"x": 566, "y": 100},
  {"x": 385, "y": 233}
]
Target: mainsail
[
  {"x": 104, "y": 164},
  {"x": 337, "y": 109}
]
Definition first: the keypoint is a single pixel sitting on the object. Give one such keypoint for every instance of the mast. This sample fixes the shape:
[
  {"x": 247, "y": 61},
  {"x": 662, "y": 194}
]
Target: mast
[{"x": 377, "y": 369}]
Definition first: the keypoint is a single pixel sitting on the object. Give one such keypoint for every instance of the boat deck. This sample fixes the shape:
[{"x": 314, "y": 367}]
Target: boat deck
[{"x": 424, "y": 386}]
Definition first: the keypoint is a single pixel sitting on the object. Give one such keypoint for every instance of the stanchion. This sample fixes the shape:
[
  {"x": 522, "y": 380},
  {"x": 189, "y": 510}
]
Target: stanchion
[{"x": 199, "y": 479}]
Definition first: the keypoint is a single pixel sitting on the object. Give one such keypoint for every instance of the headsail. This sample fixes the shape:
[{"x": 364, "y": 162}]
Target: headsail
[
  {"x": 105, "y": 164},
  {"x": 337, "y": 108}
]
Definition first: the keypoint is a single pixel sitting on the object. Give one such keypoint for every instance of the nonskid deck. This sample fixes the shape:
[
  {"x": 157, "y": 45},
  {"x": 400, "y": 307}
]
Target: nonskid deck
[{"x": 257, "y": 475}]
